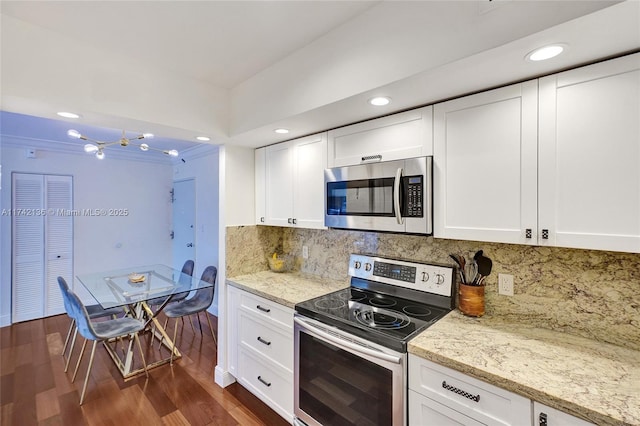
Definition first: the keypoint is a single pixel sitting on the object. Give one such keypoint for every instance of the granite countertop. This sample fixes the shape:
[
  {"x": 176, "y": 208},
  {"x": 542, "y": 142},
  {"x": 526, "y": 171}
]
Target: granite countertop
[
  {"x": 286, "y": 288},
  {"x": 596, "y": 381}
]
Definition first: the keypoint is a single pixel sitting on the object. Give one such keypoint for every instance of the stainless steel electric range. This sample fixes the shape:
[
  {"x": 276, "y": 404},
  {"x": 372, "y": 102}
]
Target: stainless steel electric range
[{"x": 351, "y": 345}]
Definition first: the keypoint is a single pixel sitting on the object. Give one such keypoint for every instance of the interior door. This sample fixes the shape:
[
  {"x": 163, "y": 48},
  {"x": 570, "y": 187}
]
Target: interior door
[{"x": 184, "y": 222}]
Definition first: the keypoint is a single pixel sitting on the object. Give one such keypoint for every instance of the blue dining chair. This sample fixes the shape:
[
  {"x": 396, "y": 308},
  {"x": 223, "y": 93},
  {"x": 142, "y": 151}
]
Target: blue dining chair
[
  {"x": 187, "y": 270},
  {"x": 200, "y": 301},
  {"x": 100, "y": 331},
  {"x": 95, "y": 312}
]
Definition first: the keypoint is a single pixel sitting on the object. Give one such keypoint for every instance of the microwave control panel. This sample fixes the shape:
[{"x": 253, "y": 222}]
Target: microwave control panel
[{"x": 413, "y": 196}]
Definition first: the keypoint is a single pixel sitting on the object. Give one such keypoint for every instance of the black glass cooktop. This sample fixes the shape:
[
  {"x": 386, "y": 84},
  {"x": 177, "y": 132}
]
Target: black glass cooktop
[{"x": 387, "y": 320}]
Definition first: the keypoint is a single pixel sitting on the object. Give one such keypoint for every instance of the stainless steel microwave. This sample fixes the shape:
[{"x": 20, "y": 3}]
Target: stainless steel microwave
[{"x": 391, "y": 196}]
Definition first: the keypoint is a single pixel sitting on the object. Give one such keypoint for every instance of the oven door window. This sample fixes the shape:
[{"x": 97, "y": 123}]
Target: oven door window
[
  {"x": 337, "y": 387},
  {"x": 365, "y": 197}
]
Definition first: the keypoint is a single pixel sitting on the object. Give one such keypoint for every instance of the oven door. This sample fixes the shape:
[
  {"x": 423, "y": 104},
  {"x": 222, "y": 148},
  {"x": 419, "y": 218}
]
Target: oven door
[{"x": 341, "y": 379}]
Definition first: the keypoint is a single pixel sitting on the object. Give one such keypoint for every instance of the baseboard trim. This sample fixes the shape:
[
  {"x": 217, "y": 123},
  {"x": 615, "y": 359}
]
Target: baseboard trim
[{"x": 223, "y": 378}]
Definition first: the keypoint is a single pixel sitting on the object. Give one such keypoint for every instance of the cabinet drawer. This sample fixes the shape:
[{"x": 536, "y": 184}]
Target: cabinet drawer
[
  {"x": 268, "y": 382},
  {"x": 474, "y": 398},
  {"x": 425, "y": 411},
  {"x": 267, "y": 309},
  {"x": 266, "y": 340}
]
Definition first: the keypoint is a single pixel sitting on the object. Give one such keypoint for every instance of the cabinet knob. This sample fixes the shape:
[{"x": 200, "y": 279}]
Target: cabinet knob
[
  {"x": 294, "y": 220},
  {"x": 289, "y": 220},
  {"x": 545, "y": 234},
  {"x": 262, "y": 219},
  {"x": 527, "y": 233}
]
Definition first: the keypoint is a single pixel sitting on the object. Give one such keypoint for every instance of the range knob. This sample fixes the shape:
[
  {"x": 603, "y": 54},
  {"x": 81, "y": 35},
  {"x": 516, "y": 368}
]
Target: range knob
[
  {"x": 367, "y": 266},
  {"x": 357, "y": 265},
  {"x": 439, "y": 279},
  {"x": 425, "y": 277}
]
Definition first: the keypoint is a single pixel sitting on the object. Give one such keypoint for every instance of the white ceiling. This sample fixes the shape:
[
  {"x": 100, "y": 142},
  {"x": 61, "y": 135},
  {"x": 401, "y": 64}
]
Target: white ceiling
[{"x": 237, "y": 70}]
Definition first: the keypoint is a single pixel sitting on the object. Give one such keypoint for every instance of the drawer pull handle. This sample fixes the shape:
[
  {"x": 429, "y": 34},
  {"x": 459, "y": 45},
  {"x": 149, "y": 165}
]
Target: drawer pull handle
[
  {"x": 263, "y": 309},
  {"x": 263, "y": 381},
  {"x": 370, "y": 158},
  {"x": 542, "y": 419},
  {"x": 261, "y": 340},
  {"x": 454, "y": 389}
]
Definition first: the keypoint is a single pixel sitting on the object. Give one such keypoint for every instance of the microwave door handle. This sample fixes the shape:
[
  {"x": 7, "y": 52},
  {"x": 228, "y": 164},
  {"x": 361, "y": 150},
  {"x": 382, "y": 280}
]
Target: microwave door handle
[{"x": 396, "y": 196}]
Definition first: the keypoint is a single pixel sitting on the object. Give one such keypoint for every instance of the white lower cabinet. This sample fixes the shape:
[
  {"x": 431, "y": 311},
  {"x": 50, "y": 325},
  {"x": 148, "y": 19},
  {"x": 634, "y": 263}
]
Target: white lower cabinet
[
  {"x": 544, "y": 415},
  {"x": 261, "y": 349},
  {"x": 442, "y": 396}
]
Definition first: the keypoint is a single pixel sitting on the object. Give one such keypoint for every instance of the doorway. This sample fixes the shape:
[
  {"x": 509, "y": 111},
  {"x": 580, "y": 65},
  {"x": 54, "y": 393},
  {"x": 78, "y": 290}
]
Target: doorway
[{"x": 184, "y": 222}]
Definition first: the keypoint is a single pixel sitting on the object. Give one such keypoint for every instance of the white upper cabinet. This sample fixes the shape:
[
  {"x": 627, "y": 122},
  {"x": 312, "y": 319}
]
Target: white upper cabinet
[
  {"x": 589, "y": 140},
  {"x": 394, "y": 137},
  {"x": 554, "y": 161},
  {"x": 294, "y": 189},
  {"x": 485, "y": 163},
  {"x": 260, "y": 185}
]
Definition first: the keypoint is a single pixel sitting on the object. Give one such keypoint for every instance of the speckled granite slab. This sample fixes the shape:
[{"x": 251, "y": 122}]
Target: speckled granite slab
[
  {"x": 286, "y": 288},
  {"x": 596, "y": 381}
]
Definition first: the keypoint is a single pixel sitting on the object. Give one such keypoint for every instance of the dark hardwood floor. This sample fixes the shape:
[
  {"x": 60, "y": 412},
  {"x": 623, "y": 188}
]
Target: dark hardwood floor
[{"x": 35, "y": 390}]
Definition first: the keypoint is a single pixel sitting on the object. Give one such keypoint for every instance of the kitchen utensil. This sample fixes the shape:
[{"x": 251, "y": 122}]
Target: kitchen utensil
[
  {"x": 484, "y": 269},
  {"x": 459, "y": 260}
]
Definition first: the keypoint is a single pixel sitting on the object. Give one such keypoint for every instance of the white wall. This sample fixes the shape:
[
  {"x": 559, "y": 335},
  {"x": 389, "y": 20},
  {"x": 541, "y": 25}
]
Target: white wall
[
  {"x": 239, "y": 184},
  {"x": 100, "y": 243},
  {"x": 205, "y": 171}
]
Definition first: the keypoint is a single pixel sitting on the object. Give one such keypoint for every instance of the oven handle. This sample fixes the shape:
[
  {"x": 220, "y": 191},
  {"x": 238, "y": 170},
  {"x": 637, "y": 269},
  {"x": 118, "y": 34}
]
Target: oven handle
[
  {"x": 396, "y": 196},
  {"x": 347, "y": 344}
]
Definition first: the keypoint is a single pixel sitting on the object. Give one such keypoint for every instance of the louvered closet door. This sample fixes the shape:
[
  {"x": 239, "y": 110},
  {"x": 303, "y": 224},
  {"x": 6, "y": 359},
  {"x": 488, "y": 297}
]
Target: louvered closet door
[
  {"x": 28, "y": 247},
  {"x": 42, "y": 243},
  {"x": 58, "y": 240}
]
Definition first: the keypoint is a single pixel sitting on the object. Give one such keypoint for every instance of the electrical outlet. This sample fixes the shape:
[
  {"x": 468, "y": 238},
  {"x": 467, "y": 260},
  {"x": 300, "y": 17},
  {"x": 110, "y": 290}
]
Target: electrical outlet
[
  {"x": 505, "y": 284},
  {"x": 305, "y": 252}
]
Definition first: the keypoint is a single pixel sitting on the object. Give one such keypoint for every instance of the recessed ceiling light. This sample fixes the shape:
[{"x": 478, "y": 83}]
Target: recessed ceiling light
[
  {"x": 281, "y": 131},
  {"x": 380, "y": 101},
  {"x": 66, "y": 114},
  {"x": 546, "y": 52},
  {"x": 203, "y": 138}
]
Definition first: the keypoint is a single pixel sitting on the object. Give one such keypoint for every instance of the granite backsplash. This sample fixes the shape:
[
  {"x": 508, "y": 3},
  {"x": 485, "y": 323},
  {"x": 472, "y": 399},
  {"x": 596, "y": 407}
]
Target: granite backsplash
[{"x": 595, "y": 294}]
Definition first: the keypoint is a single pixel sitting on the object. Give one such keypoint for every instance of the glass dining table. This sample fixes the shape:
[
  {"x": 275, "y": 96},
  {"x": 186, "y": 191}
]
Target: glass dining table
[{"x": 136, "y": 289}]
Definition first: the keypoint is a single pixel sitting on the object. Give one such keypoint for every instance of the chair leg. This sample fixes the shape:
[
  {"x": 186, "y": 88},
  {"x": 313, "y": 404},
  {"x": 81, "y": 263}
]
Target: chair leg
[
  {"x": 66, "y": 341},
  {"x": 191, "y": 322},
  {"x": 199, "y": 323},
  {"x": 73, "y": 342},
  {"x": 166, "y": 320},
  {"x": 86, "y": 380},
  {"x": 211, "y": 328},
  {"x": 75, "y": 372},
  {"x": 175, "y": 334},
  {"x": 135, "y": 336}
]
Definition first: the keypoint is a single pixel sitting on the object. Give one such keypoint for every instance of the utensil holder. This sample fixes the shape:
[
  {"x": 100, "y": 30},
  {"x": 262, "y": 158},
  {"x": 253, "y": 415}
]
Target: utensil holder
[{"x": 471, "y": 300}]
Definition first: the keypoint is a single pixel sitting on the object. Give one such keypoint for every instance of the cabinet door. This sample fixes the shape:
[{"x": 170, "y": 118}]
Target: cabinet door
[
  {"x": 28, "y": 247},
  {"x": 547, "y": 416},
  {"x": 394, "y": 137},
  {"x": 310, "y": 160},
  {"x": 590, "y": 156},
  {"x": 279, "y": 187},
  {"x": 260, "y": 185},
  {"x": 58, "y": 240},
  {"x": 485, "y": 166}
]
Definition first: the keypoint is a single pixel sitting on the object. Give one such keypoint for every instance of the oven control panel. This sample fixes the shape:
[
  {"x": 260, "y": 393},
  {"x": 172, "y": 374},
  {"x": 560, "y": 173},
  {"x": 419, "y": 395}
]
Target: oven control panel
[{"x": 436, "y": 279}]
